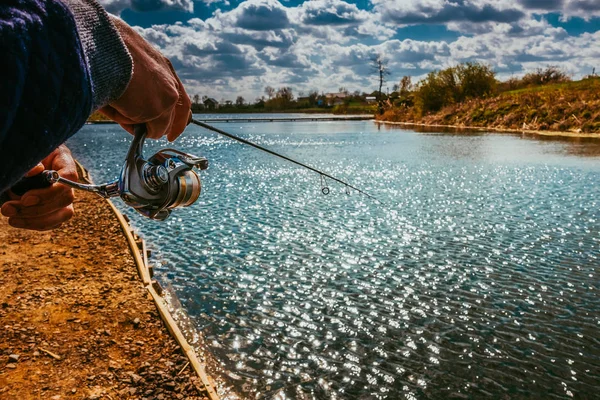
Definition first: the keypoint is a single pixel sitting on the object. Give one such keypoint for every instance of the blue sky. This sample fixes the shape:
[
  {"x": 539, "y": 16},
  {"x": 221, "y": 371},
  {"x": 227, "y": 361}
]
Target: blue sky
[{"x": 226, "y": 48}]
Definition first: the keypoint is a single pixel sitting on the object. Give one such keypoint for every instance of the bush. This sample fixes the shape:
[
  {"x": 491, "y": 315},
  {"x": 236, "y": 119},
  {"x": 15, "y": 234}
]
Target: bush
[
  {"x": 454, "y": 85},
  {"x": 434, "y": 92},
  {"x": 538, "y": 77},
  {"x": 551, "y": 74},
  {"x": 476, "y": 80}
]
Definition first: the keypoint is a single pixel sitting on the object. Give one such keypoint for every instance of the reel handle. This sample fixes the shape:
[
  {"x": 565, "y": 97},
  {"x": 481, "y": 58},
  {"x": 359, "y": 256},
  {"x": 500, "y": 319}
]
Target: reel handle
[{"x": 26, "y": 184}]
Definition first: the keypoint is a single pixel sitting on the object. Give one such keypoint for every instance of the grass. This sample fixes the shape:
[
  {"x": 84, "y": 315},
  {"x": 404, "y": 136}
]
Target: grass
[{"x": 569, "y": 106}]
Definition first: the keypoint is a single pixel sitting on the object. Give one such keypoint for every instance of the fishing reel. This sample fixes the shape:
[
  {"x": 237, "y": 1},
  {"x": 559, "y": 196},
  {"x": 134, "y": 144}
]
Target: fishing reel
[{"x": 153, "y": 186}]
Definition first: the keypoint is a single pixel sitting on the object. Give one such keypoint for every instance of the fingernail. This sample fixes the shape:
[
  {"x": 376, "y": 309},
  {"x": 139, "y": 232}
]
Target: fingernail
[
  {"x": 17, "y": 223},
  {"x": 9, "y": 211},
  {"x": 31, "y": 201}
]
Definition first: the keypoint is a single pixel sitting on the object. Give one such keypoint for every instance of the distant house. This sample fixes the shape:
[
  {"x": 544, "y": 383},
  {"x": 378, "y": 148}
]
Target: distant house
[
  {"x": 371, "y": 99},
  {"x": 211, "y": 104},
  {"x": 335, "y": 99}
]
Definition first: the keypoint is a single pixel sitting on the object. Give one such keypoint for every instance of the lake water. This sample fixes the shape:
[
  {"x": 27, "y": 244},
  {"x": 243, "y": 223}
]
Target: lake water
[{"x": 477, "y": 278}]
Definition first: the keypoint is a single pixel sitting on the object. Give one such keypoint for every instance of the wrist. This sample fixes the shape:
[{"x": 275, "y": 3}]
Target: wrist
[{"x": 109, "y": 63}]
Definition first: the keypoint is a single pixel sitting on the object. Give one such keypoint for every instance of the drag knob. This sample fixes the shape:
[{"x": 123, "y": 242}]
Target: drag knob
[{"x": 156, "y": 176}]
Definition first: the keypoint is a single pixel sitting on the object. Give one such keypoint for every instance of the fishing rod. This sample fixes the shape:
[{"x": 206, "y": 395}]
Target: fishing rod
[
  {"x": 157, "y": 185},
  {"x": 324, "y": 188}
]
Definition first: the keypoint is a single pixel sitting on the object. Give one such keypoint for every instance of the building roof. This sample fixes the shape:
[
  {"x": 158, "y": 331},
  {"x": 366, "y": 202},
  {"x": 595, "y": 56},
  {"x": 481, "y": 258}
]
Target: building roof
[{"x": 334, "y": 95}]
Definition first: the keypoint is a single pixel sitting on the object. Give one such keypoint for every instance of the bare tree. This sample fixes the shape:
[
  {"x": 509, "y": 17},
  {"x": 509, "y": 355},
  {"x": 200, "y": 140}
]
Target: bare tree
[
  {"x": 269, "y": 91},
  {"x": 196, "y": 99},
  {"x": 239, "y": 101},
  {"x": 380, "y": 66},
  {"x": 285, "y": 93}
]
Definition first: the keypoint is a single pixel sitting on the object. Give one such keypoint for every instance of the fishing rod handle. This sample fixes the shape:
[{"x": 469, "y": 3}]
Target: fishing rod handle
[{"x": 39, "y": 181}]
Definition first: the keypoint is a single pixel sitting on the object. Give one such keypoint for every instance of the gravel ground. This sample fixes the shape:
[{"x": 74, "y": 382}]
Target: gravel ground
[{"x": 76, "y": 321}]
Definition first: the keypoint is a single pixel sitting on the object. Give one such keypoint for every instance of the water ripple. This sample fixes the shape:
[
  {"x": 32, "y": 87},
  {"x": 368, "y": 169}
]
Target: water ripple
[{"x": 478, "y": 278}]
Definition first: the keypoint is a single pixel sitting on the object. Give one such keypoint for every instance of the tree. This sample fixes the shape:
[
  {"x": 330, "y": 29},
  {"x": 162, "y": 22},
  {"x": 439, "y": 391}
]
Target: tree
[
  {"x": 476, "y": 80},
  {"x": 343, "y": 90},
  {"x": 269, "y": 91},
  {"x": 204, "y": 98},
  {"x": 406, "y": 85},
  {"x": 196, "y": 99},
  {"x": 239, "y": 101},
  {"x": 380, "y": 66},
  {"x": 313, "y": 97},
  {"x": 285, "y": 93}
]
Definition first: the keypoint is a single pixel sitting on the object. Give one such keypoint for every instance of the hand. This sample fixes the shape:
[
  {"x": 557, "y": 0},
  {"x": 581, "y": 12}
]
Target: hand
[
  {"x": 155, "y": 94},
  {"x": 44, "y": 209}
]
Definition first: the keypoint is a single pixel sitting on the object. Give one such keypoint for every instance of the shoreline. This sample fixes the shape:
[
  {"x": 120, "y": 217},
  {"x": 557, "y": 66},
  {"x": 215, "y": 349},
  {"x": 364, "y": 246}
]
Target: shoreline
[
  {"x": 495, "y": 129},
  {"x": 78, "y": 321},
  {"x": 457, "y": 127}
]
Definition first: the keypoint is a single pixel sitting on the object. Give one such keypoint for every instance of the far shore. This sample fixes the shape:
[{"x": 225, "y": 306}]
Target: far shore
[
  {"x": 495, "y": 129},
  {"x": 459, "y": 127}
]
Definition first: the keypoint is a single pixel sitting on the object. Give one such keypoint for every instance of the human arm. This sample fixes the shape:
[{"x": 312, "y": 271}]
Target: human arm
[{"x": 65, "y": 58}]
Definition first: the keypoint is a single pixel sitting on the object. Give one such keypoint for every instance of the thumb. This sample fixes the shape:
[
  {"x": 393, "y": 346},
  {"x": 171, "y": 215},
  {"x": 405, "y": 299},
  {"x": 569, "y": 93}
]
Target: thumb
[{"x": 35, "y": 170}]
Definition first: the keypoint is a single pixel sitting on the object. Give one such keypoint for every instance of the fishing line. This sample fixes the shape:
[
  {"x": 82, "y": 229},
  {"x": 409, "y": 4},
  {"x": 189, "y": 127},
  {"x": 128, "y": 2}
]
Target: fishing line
[{"x": 324, "y": 188}]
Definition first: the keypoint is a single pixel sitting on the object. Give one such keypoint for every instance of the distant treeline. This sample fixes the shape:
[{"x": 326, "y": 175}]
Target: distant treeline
[{"x": 284, "y": 100}]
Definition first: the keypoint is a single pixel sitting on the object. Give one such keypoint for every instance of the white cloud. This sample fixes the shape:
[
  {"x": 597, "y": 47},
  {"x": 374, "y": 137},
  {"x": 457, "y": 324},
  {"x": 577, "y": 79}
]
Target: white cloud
[
  {"x": 117, "y": 6},
  {"x": 325, "y": 44}
]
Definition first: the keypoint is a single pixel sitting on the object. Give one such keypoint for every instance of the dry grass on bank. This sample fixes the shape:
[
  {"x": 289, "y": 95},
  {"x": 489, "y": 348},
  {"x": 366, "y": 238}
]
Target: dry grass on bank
[{"x": 565, "y": 107}]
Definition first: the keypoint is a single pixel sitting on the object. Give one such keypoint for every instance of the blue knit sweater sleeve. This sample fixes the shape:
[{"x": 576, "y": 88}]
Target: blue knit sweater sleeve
[{"x": 52, "y": 75}]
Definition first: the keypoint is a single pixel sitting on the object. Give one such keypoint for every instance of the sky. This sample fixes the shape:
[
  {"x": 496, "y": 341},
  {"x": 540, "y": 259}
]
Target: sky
[{"x": 229, "y": 48}]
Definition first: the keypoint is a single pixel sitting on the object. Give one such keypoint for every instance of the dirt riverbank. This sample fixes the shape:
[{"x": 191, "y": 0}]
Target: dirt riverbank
[
  {"x": 75, "y": 320},
  {"x": 413, "y": 125}
]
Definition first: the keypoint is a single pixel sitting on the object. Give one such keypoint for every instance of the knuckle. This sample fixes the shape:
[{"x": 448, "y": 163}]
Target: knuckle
[
  {"x": 69, "y": 213},
  {"x": 186, "y": 100},
  {"x": 70, "y": 197},
  {"x": 172, "y": 96}
]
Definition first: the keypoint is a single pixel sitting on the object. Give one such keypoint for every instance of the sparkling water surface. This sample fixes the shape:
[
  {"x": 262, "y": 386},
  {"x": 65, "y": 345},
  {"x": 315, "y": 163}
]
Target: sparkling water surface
[{"x": 477, "y": 277}]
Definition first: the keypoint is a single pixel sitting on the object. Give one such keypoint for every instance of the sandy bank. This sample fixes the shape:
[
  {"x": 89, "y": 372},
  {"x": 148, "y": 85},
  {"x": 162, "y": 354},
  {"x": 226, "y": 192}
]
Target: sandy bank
[{"x": 76, "y": 321}]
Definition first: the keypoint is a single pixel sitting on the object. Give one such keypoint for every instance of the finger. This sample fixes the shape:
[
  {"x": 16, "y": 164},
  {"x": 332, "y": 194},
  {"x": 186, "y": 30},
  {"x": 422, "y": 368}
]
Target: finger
[
  {"x": 39, "y": 202},
  {"x": 182, "y": 110},
  {"x": 65, "y": 165},
  {"x": 54, "y": 197},
  {"x": 128, "y": 127},
  {"x": 47, "y": 222},
  {"x": 35, "y": 170},
  {"x": 9, "y": 209},
  {"x": 182, "y": 118},
  {"x": 125, "y": 122},
  {"x": 158, "y": 127},
  {"x": 112, "y": 113}
]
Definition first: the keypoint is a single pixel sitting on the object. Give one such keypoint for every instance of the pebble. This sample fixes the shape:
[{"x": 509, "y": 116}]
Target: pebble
[
  {"x": 13, "y": 358},
  {"x": 135, "y": 378}
]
